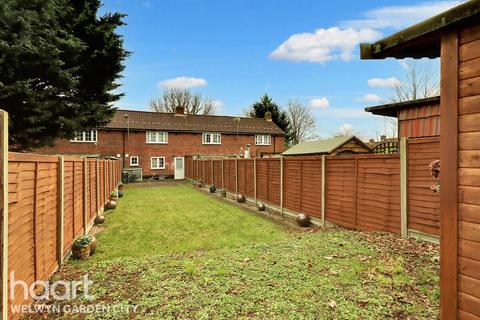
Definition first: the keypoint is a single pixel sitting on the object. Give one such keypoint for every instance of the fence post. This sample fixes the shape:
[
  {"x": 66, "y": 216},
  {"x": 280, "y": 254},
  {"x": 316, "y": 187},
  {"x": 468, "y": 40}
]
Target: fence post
[
  {"x": 236, "y": 177},
  {"x": 324, "y": 191},
  {"x": 213, "y": 169},
  {"x": 60, "y": 206},
  {"x": 356, "y": 192},
  {"x": 97, "y": 186},
  {"x": 223, "y": 179},
  {"x": 4, "y": 208},
  {"x": 255, "y": 180},
  {"x": 281, "y": 186},
  {"x": 85, "y": 220},
  {"x": 403, "y": 187},
  {"x": 105, "y": 190}
]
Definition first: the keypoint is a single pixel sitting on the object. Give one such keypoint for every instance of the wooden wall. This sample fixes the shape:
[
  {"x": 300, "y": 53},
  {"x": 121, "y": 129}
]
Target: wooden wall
[
  {"x": 469, "y": 173},
  {"x": 418, "y": 122},
  {"x": 34, "y": 209}
]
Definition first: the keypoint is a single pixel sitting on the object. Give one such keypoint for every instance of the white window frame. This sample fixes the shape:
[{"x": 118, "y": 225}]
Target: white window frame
[
  {"x": 263, "y": 140},
  {"x": 81, "y": 136},
  {"x": 151, "y": 163},
  {"x": 134, "y": 164},
  {"x": 161, "y": 137},
  {"x": 209, "y": 137}
]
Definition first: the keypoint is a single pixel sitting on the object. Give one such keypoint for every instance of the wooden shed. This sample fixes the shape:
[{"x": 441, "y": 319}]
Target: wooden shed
[
  {"x": 416, "y": 118},
  {"x": 332, "y": 146},
  {"x": 454, "y": 36}
]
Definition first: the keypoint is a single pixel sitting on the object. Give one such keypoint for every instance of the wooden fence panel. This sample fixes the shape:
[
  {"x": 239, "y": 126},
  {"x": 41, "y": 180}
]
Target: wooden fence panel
[
  {"x": 292, "y": 179},
  {"x": 340, "y": 193},
  {"x": 242, "y": 181},
  {"x": 101, "y": 181},
  {"x": 77, "y": 195},
  {"x": 378, "y": 194},
  {"x": 208, "y": 171},
  {"x": 311, "y": 187},
  {"x": 92, "y": 185},
  {"x": 273, "y": 189},
  {"x": 68, "y": 218},
  {"x": 262, "y": 180},
  {"x": 217, "y": 168},
  {"x": 249, "y": 177},
  {"x": 423, "y": 204},
  {"x": 232, "y": 180}
]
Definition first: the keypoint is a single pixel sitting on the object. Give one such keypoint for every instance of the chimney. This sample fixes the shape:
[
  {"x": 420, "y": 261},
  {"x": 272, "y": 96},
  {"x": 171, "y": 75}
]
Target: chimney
[
  {"x": 268, "y": 116},
  {"x": 383, "y": 137},
  {"x": 371, "y": 140},
  {"x": 180, "y": 111}
]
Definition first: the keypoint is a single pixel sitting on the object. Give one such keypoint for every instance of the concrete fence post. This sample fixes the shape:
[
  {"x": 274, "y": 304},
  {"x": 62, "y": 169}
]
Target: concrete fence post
[
  {"x": 403, "y": 187},
  {"x": 4, "y": 208},
  {"x": 281, "y": 185},
  {"x": 255, "y": 180},
  {"x": 60, "y": 206},
  {"x": 223, "y": 179},
  {"x": 236, "y": 177},
  {"x": 85, "y": 200},
  {"x": 97, "y": 186},
  {"x": 324, "y": 191}
]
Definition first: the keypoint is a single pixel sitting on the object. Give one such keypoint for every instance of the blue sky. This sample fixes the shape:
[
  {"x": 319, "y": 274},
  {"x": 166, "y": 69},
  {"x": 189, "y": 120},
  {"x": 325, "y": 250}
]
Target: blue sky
[{"x": 234, "y": 51}]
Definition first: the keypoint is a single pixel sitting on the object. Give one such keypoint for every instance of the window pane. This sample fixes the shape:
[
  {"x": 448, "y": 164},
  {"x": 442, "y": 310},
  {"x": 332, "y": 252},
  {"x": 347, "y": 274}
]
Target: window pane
[{"x": 161, "y": 162}]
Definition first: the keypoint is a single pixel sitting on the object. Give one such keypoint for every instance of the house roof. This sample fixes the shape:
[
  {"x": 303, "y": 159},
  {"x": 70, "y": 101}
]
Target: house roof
[
  {"x": 422, "y": 39},
  {"x": 144, "y": 120},
  {"x": 390, "y": 109},
  {"x": 323, "y": 146}
]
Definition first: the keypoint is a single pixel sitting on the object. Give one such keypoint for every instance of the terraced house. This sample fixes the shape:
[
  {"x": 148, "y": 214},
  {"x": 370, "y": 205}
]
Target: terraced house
[{"x": 158, "y": 142}]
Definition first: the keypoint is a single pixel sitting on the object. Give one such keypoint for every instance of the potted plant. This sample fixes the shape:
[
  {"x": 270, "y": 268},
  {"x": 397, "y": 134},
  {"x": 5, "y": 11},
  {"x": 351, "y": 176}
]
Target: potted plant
[
  {"x": 113, "y": 196},
  {"x": 81, "y": 248}
]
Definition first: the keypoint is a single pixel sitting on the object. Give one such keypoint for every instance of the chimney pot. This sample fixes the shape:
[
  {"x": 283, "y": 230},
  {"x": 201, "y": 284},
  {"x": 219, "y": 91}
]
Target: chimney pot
[
  {"x": 180, "y": 110},
  {"x": 268, "y": 116},
  {"x": 383, "y": 137},
  {"x": 372, "y": 140}
]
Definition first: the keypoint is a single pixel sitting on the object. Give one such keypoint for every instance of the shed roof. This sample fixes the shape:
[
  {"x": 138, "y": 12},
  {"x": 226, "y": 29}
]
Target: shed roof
[
  {"x": 323, "y": 146},
  {"x": 145, "y": 120},
  {"x": 422, "y": 39},
  {"x": 390, "y": 109}
]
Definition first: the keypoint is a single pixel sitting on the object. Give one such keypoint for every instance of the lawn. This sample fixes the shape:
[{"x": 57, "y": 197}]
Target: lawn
[{"x": 178, "y": 253}]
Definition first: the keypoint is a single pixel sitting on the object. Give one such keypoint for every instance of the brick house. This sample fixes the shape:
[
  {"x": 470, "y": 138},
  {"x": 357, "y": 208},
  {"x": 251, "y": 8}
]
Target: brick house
[{"x": 155, "y": 141}]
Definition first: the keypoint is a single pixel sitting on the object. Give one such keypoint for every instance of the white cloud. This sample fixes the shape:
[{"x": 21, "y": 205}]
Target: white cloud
[
  {"x": 399, "y": 17},
  {"x": 370, "y": 97},
  {"x": 383, "y": 83},
  {"x": 344, "y": 130},
  {"x": 324, "y": 44},
  {"x": 182, "y": 82},
  {"x": 319, "y": 103}
]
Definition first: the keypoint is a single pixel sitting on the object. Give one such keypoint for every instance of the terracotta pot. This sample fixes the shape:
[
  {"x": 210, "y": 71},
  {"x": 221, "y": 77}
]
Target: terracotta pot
[
  {"x": 303, "y": 220},
  {"x": 111, "y": 205},
  {"x": 81, "y": 253},
  {"x": 99, "y": 219},
  {"x": 240, "y": 198}
]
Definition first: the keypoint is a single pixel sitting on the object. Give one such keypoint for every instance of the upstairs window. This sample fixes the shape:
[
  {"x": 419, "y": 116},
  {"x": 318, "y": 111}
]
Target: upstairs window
[
  {"x": 212, "y": 138},
  {"x": 85, "y": 136},
  {"x": 263, "y": 139},
  {"x": 157, "y": 137}
]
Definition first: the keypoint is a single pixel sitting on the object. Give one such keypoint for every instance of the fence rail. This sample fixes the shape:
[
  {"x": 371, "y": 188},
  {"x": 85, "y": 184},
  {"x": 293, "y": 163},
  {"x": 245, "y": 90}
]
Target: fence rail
[{"x": 361, "y": 192}]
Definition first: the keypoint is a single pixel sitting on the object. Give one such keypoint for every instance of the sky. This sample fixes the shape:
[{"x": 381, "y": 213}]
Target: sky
[{"x": 234, "y": 51}]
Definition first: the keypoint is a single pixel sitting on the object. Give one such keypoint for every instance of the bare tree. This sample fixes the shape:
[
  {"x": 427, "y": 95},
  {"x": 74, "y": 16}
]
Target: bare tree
[
  {"x": 421, "y": 80},
  {"x": 192, "y": 102},
  {"x": 302, "y": 123}
]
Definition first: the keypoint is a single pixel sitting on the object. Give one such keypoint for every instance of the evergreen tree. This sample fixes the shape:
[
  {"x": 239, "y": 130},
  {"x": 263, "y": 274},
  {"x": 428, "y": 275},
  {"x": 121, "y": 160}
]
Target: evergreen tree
[
  {"x": 279, "y": 116},
  {"x": 58, "y": 66}
]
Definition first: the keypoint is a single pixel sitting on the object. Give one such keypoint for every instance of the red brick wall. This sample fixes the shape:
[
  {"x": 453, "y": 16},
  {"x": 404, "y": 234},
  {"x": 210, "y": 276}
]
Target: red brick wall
[{"x": 111, "y": 143}]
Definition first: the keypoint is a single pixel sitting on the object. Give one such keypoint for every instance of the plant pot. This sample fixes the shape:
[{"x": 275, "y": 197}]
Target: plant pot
[
  {"x": 81, "y": 253},
  {"x": 120, "y": 187},
  {"x": 100, "y": 219},
  {"x": 223, "y": 192},
  {"x": 120, "y": 193},
  {"x": 303, "y": 220},
  {"x": 261, "y": 207},
  {"x": 93, "y": 245},
  {"x": 111, "y": 205},
  {"x": 241, "y": 198},
  {"x": 213, "y": 189}
]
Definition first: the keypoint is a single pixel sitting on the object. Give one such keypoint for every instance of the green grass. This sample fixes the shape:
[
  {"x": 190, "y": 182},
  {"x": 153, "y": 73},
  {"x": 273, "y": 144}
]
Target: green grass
[
  {"x": 152, "y": 221},
  {"x": 177, "y": 253}
]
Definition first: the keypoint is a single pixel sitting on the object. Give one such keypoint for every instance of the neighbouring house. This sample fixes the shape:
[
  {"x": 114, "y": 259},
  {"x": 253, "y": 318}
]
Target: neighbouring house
[
  {"x": 416, "y": 118},
  {"x": 454, "y": 37},
  {"x": 332, "y": 146},
  {"x": 158, "y": 142}
]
